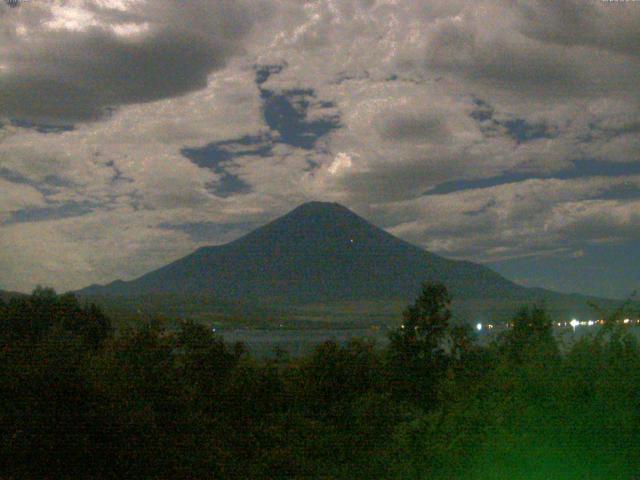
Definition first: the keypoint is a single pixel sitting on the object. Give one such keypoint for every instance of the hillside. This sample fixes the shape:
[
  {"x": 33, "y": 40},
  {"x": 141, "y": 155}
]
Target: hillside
[
  {"x": 324, "y": 253},
  {"x": 5, "y": 296}
]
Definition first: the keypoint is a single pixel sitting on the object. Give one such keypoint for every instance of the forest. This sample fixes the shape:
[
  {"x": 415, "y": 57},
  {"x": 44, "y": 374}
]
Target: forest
[{"x": 80, "y": 398}]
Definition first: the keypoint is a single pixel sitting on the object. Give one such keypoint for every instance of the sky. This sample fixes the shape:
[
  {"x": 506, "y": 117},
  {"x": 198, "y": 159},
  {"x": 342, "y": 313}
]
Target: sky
[{"x": 505, "y": 132}]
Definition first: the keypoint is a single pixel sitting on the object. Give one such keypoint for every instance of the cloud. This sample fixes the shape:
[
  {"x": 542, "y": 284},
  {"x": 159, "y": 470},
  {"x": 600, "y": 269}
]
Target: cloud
[
  {"x": 603, "y": 25},
  {"x": 414, "y": 127},
  {"x": 75, "y": 61},
  {"x": 341, "y": 162},
  {"x": 15, "y": 197},
  {"x": 519, "y": 218},
  {"x": 519, "y": 118}
]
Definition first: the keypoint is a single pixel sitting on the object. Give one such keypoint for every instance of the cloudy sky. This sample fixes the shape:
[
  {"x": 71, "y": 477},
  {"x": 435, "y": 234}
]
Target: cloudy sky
[{"x": 505, "y": 132}]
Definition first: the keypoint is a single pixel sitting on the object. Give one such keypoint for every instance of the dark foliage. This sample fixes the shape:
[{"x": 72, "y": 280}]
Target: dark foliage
[
  {"x": 77, "y": 401},
  {"x": 32, "y": 318}
]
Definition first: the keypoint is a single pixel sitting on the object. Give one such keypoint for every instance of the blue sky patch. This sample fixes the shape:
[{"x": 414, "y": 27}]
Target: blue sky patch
[
  {"x": 490, "y": 204},
  {"x": 516, "y": 128},
  {"x": 607, "y": 270},
  {"x": 41, "y": 127},
  {"x": 218, "y": 156},
  {"x": 522, "y": 131},
  {"x": 581, "y": 169},
  {"x": 263, "y": 72},
  {"x": 482, "y": 111},
  {"x": 54, "y": 212},
  {"x": 287, "y": 114},
  {"x": 286, "y": 111},
  {"x": 49, "y": 185},
  {"x": 229, "y": 185}
]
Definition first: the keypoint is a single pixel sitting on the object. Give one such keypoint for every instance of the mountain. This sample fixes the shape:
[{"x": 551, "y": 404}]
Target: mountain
[
  {"x": 5, "y": 296},
  {"x": 320, "y": 252}
]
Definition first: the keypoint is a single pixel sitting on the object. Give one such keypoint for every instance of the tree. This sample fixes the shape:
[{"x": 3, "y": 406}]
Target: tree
[
  {"x": 31, "y": 318},
  {"x": 205, "y": 361},
  {"x": 532, "y": 331},
  {"x": 426, "y": 323},
  {"x": 417, "y": 351}
]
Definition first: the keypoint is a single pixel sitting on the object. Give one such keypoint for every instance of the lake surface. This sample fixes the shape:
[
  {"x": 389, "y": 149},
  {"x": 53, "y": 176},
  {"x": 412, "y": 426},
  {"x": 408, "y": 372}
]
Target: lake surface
[{"x": 263, "y": 343}]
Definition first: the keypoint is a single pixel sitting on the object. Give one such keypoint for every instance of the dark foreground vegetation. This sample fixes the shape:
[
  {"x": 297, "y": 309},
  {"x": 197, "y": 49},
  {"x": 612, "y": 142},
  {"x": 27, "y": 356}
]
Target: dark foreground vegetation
[{"x": 77, "y": 401}]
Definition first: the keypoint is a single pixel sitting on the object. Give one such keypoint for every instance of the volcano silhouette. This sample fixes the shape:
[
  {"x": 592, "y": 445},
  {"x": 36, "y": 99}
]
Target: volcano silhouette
[{"x": 317, "y": 252}]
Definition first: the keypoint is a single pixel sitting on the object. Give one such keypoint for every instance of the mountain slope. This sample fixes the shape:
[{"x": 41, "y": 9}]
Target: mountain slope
[
  {"x": 5, "y": 296},
  {"x": 317, "y": 252}
]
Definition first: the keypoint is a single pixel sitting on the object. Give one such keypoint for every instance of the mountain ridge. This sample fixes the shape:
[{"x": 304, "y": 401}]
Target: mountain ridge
[
  {"x": 6, "y": 295},
  {"x": 323, "y": 252}
]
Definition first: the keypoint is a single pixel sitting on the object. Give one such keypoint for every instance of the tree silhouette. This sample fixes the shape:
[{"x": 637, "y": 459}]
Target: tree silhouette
[
  {"x": 417, "y": 354},
  {"x": 532, "y": 329}
]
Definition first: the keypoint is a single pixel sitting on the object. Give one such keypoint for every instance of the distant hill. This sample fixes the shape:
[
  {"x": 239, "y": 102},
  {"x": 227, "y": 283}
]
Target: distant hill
[
  {"x": 324, "y": 253},
  {"x": 5, "y": 296}
]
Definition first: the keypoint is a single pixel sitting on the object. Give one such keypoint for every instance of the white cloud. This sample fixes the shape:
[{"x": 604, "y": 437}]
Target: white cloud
[
  {"x": 15, "y": 197},
  {"x": 518, "y": 219},
  {"x": 72, "y": 61},
  {"x": 403, "y": 77},
  {"x": 341, "y": 162}
]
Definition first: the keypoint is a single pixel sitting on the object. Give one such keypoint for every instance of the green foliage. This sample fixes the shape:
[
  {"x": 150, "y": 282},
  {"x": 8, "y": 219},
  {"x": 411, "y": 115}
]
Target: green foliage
[
  {"x": 417, "y": 357},
  {"x": 77, "y": 402},
  {"x": 30, "y": 319},
  {"x": 531, "y": 333},
  {"x": 426, "y": 322}
]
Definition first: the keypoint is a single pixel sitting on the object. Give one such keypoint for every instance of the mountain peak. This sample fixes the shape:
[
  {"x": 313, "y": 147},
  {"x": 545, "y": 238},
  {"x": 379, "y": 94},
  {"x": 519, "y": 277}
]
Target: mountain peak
[
  {"x": 319, "y": 204},
  {"x": 319, "y": 251},
  {"x": 310, "y": 226},
  {"x": 317, "y": 207}
]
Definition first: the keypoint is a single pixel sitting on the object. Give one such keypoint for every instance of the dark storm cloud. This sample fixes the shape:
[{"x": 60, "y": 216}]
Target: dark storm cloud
[
  {"x": 63, "y": 75},
  {"x": 80, "y": 82}
]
